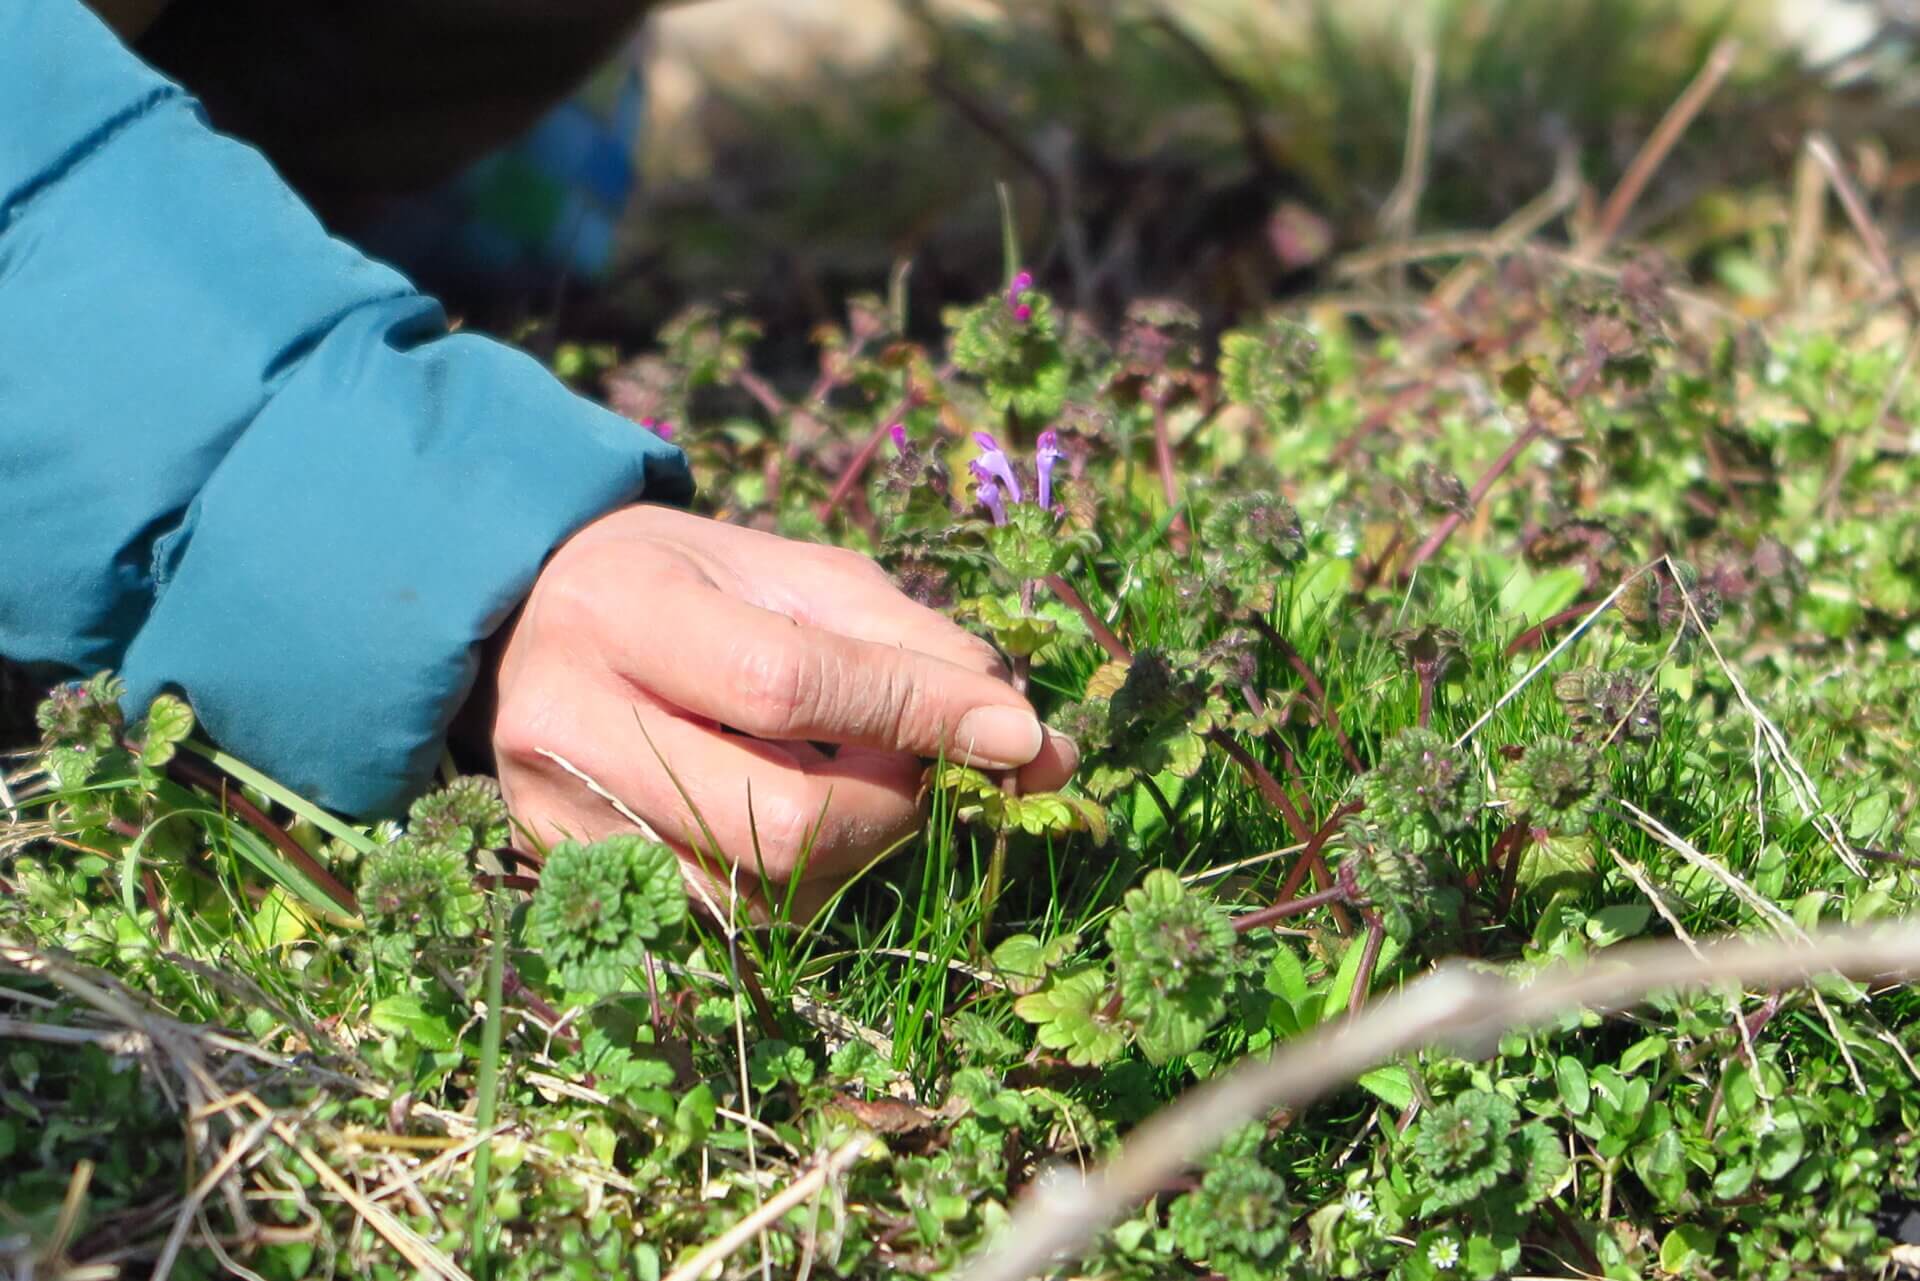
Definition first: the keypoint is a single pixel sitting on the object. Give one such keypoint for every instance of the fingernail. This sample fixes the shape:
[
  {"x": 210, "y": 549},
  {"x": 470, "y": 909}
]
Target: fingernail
[
  {"x": 1065, "y": 748},
  {"x": 998, "y": 737}
]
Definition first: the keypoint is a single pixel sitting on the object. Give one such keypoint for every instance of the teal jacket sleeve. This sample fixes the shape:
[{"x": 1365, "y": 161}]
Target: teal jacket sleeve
[{"x": 241, "y": 460}]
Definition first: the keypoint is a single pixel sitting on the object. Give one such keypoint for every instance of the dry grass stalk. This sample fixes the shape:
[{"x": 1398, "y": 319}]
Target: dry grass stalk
[{"x": 1457, "y": 1008}]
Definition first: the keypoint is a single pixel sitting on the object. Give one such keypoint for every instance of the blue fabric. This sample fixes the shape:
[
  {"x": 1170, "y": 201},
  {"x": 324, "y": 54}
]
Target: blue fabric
[{"x": 240, "y": 459}]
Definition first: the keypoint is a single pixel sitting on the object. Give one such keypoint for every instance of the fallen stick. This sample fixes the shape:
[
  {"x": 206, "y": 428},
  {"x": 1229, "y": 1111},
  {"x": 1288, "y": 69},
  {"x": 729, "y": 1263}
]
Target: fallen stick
[{"x": 1457, "y": 1008}]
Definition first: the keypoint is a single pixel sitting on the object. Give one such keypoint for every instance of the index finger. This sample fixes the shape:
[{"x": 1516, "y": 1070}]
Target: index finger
[{"x": 774, "y": 677}]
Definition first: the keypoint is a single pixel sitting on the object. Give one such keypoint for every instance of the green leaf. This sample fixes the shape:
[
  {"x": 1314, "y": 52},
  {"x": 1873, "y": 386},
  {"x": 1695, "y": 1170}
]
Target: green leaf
[
  {"x": 1547, "y": 594},
  {"x": 1023, "y": 961},
  {"x": 1068, "y": 1015},
  {"x": 1286, "y": 976},
  {"x": 1684, "y": 1244},
  {"x": 1571, "y": 1077},
  {"x": 693, "y": 1119},
  {"x": 407, "y": 1016},
  {"x": 1391, "y": 1085},
  {"x": 169, "y": 721},
  {"x": 1610, "y": 925}
]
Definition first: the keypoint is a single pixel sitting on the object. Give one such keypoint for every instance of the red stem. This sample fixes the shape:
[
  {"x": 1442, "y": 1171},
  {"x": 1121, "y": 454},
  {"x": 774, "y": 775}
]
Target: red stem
[
  {"x": 1453, "y": 520},
  {"x": 1315, "y": 689},
  {"x": 1535, "y": 634},
  {"x": 1063, "y": 591},
  {"x": 1363, "y": 979},
  {"x": 1507, "y": 853},
  {"x": 187, "y": 771},
  {"x": 1292, "y": 907},
  {"x": 1263, "y": 780},
  {"x": 857, "y": 465},
  {"x": 1163, "y": 461}
]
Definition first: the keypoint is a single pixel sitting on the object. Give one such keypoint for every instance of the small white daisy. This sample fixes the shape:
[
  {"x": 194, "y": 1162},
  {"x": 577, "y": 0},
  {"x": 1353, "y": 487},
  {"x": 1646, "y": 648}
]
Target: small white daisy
[
  {"x": 1444, "y": 1253},
  {"x": 1359, "y": 1206}
]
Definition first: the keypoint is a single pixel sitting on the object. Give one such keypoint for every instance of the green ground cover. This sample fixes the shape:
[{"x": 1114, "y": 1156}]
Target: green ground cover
[{"x": 1495, "y": 601}]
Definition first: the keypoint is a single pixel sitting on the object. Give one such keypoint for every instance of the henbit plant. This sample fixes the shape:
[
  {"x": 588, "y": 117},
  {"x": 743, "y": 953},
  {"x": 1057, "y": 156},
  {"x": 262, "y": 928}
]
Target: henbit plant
[{"x": 1309, "y": 772}]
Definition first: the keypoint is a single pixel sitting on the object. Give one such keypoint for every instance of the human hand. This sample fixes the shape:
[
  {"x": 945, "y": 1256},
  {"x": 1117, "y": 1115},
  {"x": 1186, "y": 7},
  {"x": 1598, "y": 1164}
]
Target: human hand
[{"x": 693, "y": 668}]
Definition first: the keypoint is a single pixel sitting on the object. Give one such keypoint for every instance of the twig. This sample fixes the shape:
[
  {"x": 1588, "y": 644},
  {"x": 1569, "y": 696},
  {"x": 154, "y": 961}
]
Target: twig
[
  {"x": 1461, "y": 1009},
  {"x": 801, "y": 1189},
  {"x": 1820, "y": 147},
  {"x": 1654, "y": 151},
  {"x": 1401, "y": 211}
]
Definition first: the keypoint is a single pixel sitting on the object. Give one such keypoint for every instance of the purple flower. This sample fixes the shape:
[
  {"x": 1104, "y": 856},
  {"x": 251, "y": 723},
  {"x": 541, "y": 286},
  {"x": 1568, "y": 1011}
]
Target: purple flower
[
  {"x": 659, "y": 427},
  {"x": 1046, "y": 453},
  {"x": 898, "y": 433},
  {"x": 1022, "y": 311},
  {"x": 993, "y": 462},
  {"x": 988, "y": 492}
]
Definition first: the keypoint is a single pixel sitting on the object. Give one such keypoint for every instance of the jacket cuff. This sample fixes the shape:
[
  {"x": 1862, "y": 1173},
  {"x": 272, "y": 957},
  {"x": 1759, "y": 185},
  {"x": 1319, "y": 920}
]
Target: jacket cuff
[{"x": 322, "y": 602}]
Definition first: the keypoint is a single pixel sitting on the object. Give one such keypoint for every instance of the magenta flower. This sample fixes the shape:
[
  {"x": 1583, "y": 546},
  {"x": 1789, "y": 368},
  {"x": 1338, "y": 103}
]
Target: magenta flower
[
  {"x": 898, "y": 434},
  {"x": 993, "y": 461},
  {"x": 1022, "y": 311},
  {"x": 1046, "y": 453},
  {"x": 659, "y": 427},
  {"x": 987, "y": 491}
]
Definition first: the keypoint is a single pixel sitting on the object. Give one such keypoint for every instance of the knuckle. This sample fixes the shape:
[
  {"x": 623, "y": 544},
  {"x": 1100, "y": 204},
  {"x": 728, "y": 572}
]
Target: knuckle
[{"x": 775, "y": 691}]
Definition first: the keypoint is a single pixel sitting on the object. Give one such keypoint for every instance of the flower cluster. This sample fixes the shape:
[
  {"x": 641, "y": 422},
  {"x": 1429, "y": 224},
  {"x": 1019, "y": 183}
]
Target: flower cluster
[
  {"x": 1610, "y": 708},
  {"x": 1016, "y": 302},
  {"x": 1422, "y": 789},
  {"x": 1173, "y": 950},
  {"x": 996, "y": 482},
  {"x": 1557, "y": 785},
  {"x": 599, "y": 906},
  {"x": 1472, "y": 1152},
  {"x": 411, "y": 893},
  {"x": 465, "y": 815}
]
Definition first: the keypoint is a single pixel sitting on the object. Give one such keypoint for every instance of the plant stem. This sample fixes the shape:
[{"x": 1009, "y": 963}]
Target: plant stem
[
  {"x": 1363, "y": 978},
  {"x": 1454, "y": 519},
  {"x": 1292, "y": 907},
  {"x": 1263, "y": 780},
  {"x": 1163, "y": 462},
  {"x": 1507, "y": 852},
  {"x": 1315, "y": 690},
  {"x": 487, "y": 1105},
  {"x": 1310, "y": 859},
  {"x": 1063, "y": 591},
  {"x": 1010, "y": 786},
  {"x": 1533, "y": 635},
  {"x": 187, "y": 771},
  {"x": 857, "y": 465},
  {"x": 1429, "y": 677}
]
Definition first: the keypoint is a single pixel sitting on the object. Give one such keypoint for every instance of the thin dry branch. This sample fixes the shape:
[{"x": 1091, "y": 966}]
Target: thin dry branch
[
  {"x": 801, "y": 1189},
  {"x": 1459, "y": 1008},
  {"x": 1654, "y": 151}
]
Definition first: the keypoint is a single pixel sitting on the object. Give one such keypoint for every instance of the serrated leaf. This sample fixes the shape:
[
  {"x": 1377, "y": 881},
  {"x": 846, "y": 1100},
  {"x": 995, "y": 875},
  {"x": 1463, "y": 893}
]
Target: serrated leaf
[
  {"x": 1107, "y": 679},
  {"x": 1067, "y": 1014},
  {"x": 1391, "y": 1085},
  {"x": 169, "y": 722},
  {"x": 1556, "y": 863}
]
